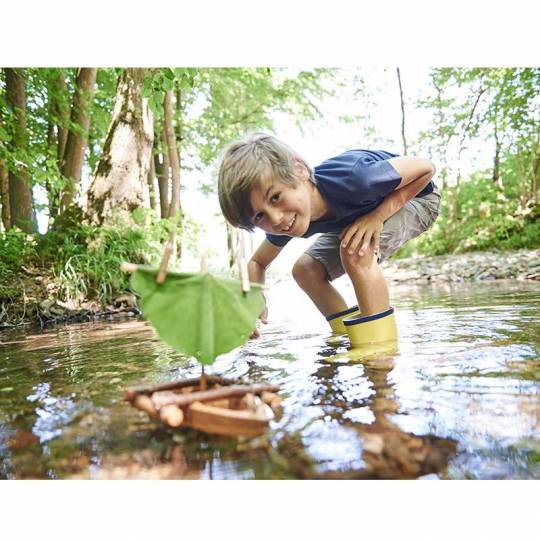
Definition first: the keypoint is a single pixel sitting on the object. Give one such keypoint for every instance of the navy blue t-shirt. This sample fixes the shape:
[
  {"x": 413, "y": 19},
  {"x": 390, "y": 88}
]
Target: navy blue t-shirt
[{"x": 353, "y": 184}]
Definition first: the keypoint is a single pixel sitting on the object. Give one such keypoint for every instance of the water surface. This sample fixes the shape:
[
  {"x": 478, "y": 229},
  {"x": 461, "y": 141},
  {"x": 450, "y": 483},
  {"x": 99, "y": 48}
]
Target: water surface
[{"x": 460, "y": 398}]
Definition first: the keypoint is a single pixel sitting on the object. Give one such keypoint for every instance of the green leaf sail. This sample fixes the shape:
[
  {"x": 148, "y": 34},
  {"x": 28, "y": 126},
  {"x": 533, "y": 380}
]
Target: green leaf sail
[{"x": 199, "y": 315}]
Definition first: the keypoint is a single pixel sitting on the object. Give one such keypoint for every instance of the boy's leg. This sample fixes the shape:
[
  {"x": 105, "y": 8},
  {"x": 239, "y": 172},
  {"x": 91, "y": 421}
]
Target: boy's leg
[
  {"x": 321, "y": 263},
  {"x": 368, "y": 281},
  {"x": 313, "y": 278}
]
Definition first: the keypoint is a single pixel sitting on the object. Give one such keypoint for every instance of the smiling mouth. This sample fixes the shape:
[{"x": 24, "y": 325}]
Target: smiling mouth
[{"x": 291, "y": 224}]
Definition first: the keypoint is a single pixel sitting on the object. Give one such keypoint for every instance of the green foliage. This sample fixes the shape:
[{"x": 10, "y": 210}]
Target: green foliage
[
  {"x": 199, "y": 315},
  {"x": 159, "y": 81},
  {"x": 225, "y": 103},
  {"x": 86, "y": 259},
  {"x": 488, "y": 219},
  {"x": 16, "y": 249}
]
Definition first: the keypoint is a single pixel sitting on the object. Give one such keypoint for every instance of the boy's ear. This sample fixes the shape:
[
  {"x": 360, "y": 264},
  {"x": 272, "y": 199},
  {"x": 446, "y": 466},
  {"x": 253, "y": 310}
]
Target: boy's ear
[{"x": 302, "y": 170}]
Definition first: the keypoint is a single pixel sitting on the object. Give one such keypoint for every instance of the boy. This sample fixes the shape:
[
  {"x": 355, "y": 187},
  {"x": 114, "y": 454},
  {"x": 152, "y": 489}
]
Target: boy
[{"x": 366, "y": 203}]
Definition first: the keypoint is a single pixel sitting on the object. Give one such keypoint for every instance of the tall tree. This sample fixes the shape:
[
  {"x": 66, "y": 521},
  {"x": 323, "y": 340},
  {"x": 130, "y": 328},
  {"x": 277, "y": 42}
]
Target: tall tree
[
  {"x": 59, "y": 113},
  {"x": 161, "y": 163},
  {"x": 152, "y": 187},
  {"x": 73, "y": 156},
  {"x": 4, "y": 194},
  {"x": 402, "y": 102},
  {"x": 57, "y": 132},
  {"x": 121, "y": 173},
  {"x": 4, "y": 174},
  {"x": 20, "y": 191},
  {"x": 172, "y": 152}
]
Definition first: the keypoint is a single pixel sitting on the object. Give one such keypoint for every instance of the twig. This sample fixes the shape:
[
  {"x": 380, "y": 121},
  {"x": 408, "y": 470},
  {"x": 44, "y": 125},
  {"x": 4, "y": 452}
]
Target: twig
[
  {"x": 133, "y": 391},
  {"x": 167, "y": 252},
  {"x": 183, "y": 400},
  {"x": 242, "y": 265}
]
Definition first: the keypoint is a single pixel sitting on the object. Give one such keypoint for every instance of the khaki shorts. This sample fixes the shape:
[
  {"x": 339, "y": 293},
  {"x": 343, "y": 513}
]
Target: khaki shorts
[{"x": 417, "y": 216}]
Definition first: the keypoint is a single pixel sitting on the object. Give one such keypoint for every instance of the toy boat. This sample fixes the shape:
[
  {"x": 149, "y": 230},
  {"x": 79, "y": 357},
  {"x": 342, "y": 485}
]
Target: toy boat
[{"x": 211, "y": 404}]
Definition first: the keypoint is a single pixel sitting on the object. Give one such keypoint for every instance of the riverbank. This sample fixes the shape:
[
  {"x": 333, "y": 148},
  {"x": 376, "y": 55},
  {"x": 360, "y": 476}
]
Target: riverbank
[
  {"x": 35, "y": 298},
  {"x": 476, "y": 266}
]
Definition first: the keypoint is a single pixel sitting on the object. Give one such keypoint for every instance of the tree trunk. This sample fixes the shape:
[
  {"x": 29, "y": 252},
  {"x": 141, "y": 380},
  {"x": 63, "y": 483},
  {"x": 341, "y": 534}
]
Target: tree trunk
[
  {"x": 4, "y": 195},
  {"x": 497, "y": 162},
  {"x": 163, "y": 184},
  {"x": 20, "y": 192},
  {"x": 57, "y": 131},
  {"x": 151, "y": 187},
  {"x": 443, "y": 173},
  {"x": 4, "y": 186},
  {"x": 535, "y": 170},
  {"x": 172, "y": 151},
  {"x": 118, "y": 181},
  {"x": 62, "y": 113},
  {"x": 73, "y": 156},
  {"x": 162, "y": 169},
  {"x": 402, "y": 113}
]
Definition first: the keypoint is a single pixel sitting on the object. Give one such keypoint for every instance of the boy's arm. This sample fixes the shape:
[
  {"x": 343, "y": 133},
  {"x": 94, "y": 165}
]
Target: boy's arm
[
  {"x": 416, "y": 174},
  {"x": 257, "y": 266},
  {"x": 261, "y": 260}
]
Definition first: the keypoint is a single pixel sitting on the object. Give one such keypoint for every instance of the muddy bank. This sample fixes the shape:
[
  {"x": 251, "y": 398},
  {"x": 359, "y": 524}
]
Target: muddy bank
[{"x": 35, "y": 298}]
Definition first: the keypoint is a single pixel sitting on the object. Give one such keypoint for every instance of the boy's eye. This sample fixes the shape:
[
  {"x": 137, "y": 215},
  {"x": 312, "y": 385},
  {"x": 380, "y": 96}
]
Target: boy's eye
[
  {"x": 258, "y": 217},
  {"x": 275, "y": 197}
]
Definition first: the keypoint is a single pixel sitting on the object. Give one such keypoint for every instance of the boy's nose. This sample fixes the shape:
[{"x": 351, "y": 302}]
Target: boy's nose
[{"x": 276, "y": 218}]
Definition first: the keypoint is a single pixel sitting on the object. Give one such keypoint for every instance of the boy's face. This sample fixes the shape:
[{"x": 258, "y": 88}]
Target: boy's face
[{"x": 282, "y": 209}]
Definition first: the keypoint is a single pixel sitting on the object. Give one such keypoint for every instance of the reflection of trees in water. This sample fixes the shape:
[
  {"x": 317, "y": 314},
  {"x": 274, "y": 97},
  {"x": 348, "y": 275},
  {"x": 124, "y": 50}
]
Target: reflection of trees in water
[{"x": 102, "y": 440}]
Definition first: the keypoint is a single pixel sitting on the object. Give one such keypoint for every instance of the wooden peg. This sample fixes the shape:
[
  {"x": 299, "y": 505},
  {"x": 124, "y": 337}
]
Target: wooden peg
[
  {"x": 244, "y": 276},
  {"x": 129, "y": 267},
  {"x": 171, "y": 415},
  {"x": 203, "y": 263},
  {"x": 242, "y": 265},
  {"x": 144, "y": 403}
]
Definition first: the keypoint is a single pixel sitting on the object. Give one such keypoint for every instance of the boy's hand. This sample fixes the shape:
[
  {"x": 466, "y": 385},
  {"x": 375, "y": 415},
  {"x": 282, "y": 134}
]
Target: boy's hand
[
  {"x": 359, "y": 235},
  {"x": 263, "y": 317}
]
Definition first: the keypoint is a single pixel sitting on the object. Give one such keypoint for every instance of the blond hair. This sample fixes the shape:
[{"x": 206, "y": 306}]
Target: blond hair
[{"x": 244, "y": 164}]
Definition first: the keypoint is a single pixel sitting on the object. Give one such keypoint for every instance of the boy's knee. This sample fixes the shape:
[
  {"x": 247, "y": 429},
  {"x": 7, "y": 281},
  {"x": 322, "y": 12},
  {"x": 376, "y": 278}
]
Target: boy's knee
[
  {"x": 358, "y": 264},
  {"x": 308, "y": 271}
]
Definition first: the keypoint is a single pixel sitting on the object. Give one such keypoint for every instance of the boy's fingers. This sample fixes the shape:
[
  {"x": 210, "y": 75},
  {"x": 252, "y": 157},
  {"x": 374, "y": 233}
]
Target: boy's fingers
[
  {"x": 376, "y": 241},
  {"x": 346, "y": 238},
  {"x": 345, "y": 231},
  {"x": 365, "y": 244},
  {"x": 363, "y": 248},
  {"x": 353, "y": 246}
]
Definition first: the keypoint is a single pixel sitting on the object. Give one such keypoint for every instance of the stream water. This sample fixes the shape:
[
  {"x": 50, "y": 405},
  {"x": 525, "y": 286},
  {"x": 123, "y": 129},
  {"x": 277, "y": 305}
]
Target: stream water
[{"x": 460, "y": 398}]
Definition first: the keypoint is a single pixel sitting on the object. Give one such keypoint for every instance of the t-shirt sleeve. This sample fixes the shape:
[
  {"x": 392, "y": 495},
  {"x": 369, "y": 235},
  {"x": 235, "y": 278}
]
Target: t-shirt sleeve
[
  {"x": 278, "y": 239},
  {"x": 357, "y": 179},
  {"x": 373, "y": 179}
]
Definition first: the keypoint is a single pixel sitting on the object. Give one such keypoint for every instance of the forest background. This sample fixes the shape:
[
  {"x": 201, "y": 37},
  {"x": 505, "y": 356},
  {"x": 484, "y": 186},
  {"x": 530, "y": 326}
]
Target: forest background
[{"x": 99, "y": 165}]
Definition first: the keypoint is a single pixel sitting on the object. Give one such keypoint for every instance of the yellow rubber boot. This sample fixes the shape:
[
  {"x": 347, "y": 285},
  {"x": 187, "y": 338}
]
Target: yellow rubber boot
[
  {"x": 336, "y": 320},
  {"x": 371, "y": 328}
]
